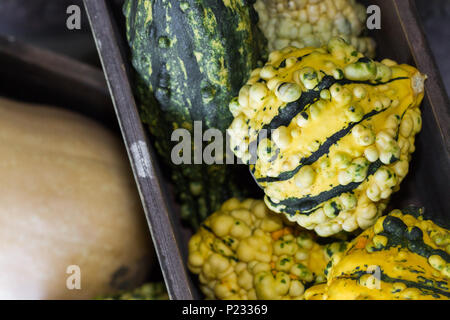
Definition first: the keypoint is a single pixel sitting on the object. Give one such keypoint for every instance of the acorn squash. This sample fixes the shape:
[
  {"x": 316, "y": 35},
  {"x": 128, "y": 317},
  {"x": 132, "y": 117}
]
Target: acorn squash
[{"x": 191, "y": 58}]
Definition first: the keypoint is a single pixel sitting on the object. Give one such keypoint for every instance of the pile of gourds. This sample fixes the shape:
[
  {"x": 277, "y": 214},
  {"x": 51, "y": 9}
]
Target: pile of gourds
[
  {"x": 326, "y": 131},
  {"x": 245, "y": 251}
]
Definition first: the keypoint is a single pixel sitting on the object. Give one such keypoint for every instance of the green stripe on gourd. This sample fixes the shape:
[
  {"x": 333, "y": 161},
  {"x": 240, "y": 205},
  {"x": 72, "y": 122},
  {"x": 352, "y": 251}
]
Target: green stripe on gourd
[
  {"x": 191, "y": 58},
  {"x": 328, "y": 133},
  {"x": 403, "y": 256},
  {"x": 426, "y": 287}
]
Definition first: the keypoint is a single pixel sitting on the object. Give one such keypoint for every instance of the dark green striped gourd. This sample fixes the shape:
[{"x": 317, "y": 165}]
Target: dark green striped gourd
[{"x": 191, "y": 58}]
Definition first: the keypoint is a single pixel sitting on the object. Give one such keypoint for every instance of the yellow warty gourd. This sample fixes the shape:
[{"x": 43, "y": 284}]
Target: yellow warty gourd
[
  {"x": 402, "y": 256},
  {"x": 244, "y": 251},
  {"x": 328, "y": 133},
  {"x": 312, "y": 23}
]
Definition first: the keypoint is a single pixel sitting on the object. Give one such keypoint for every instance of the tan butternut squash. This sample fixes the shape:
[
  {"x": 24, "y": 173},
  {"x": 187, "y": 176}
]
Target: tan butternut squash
[{"x": 67, "y": 197}]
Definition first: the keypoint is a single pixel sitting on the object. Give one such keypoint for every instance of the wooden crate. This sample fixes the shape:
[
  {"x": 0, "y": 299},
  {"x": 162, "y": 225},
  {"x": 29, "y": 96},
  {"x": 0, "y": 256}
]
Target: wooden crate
[
  {"x": 39, "y": 76},
  {"x": 35, "y": 75},
  {"x": 400, "y": 38}
]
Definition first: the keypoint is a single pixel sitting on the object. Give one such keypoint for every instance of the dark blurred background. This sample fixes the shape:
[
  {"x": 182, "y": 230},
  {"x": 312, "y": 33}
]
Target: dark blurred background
[{"x": 42, "y": 22}]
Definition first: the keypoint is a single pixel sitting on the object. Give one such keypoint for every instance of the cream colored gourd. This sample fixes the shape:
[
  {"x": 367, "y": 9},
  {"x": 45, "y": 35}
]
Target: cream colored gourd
[{"x": 67, "y": 197}]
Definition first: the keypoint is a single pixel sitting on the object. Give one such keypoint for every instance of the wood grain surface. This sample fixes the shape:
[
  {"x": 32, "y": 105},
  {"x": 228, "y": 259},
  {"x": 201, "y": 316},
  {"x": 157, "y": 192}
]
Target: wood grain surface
[{"x": 164, "y": 225}]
